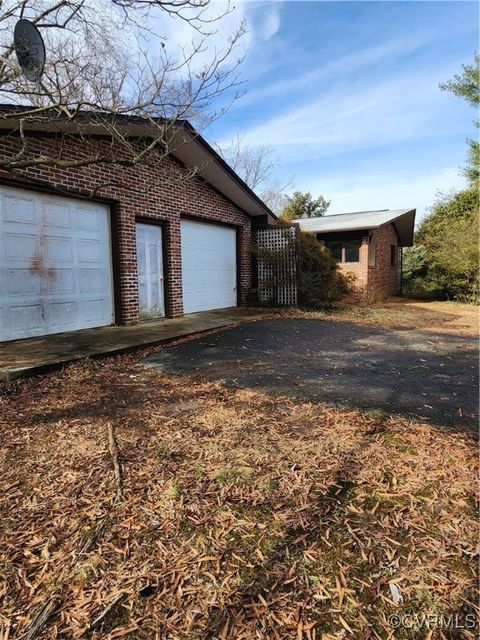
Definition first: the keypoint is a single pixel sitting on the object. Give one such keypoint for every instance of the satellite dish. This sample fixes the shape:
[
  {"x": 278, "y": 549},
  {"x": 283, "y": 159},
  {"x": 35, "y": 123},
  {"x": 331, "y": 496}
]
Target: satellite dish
[{"x": 30, "y": 49}]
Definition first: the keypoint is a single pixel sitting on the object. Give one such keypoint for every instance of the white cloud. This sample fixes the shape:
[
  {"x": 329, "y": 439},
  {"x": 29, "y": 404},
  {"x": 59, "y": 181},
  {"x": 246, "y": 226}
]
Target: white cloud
[
  {"x": 371, "y": 191},
  {"x": 337, "y": 67},
  {"x": 352, "y": 116},
  {"x": 262, "y": 20},
  {"x": 271, "y": 23}
]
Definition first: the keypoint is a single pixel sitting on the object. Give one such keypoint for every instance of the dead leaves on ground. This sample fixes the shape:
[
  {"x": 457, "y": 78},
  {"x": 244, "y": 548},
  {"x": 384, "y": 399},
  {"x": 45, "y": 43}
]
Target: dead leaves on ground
[{"x": 243, "y": 516}]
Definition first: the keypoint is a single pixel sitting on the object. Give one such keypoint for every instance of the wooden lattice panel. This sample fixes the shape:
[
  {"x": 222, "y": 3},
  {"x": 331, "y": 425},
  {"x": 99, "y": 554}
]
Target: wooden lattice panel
[{"x": 277, "y": 265}]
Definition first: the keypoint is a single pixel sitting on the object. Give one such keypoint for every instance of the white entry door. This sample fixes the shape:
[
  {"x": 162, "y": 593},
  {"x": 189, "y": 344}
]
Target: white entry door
[
  {"x": 55, "y": 264},
  {"x": 209, "y": 266},
  {"x": 150, "y": 271}
]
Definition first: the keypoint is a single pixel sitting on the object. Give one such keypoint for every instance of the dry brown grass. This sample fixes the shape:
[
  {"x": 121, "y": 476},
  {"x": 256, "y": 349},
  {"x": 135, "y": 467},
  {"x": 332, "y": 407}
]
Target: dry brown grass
[
  {"x": 404, "y": 313},
  {"x": 244, "y": 516}
]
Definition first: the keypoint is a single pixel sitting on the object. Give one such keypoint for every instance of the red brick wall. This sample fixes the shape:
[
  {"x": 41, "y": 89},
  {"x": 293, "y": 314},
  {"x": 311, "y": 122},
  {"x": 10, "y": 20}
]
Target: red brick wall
[
  {"x": 374, "y": 283},
  {"x": 359, "y": 273},
  {"x": 382, "y": 279},
  {"x": 162, "y": 192}
]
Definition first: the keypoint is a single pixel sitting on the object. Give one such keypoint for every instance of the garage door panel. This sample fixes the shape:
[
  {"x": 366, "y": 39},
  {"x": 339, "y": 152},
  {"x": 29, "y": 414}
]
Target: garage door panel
[
  {"x": 22, "y": 282},
  {"x": 25, "y": 319},
  {"x": 45, "y": 283},
  {"x": 89, "y": 251},
  {"x": 209, "y": 269},
  {"x": 20, "y": 210},
  {"x": 210, "y": 279},
  {"x": 88, "y": 218},
  {"x": 61, "y": 316},
  {"x": 60, "y": 249},
  {"x": 61, "y": 281},
  {"x": 90, "y": 281},
  {"x": 57, "y": 215},
  {"x": 91, "y": 312},
  {"x": 211, "y": 262},
  {"x": 19, "y": 246}
]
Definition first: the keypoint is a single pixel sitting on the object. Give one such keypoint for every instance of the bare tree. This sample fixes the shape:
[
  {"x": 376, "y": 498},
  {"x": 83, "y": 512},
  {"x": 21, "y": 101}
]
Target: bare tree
[
  {"x": 256, "y": 166},
  {"x": 107, "y": 66},
  {"x": 275, "y": 197}
]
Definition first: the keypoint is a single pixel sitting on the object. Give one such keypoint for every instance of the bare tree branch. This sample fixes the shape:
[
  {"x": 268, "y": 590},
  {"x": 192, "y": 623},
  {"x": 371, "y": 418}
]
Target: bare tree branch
[
  {"x": 101, "y": 64},
  {"x": 256, "y": 166}
]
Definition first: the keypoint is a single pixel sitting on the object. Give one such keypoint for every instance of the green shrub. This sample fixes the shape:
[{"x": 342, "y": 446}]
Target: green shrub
[
  {"x": 319, "y": 281},
  {"x": 444, "y": 263}
]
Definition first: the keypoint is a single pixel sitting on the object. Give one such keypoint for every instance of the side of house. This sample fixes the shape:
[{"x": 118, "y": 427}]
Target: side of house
[
  {"x": 104, "y": 244},
  {"x": 367, "y": 246},
  {"x": 384, "y": 263}
]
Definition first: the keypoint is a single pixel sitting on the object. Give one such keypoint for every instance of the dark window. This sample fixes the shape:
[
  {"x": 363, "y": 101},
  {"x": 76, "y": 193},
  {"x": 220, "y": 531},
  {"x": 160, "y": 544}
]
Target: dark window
[
  {"x": 352, "y": 251},
  {"x": 335, "y": 249},
  {"x": 346, "y": 251},
  {"x": 393, "y": 255}
]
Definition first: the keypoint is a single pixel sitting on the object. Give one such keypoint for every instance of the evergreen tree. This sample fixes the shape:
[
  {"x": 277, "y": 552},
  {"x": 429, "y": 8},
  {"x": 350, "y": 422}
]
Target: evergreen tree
[
  {"x": 303, "y": 205},
  {"x": 467, "y": 85}
]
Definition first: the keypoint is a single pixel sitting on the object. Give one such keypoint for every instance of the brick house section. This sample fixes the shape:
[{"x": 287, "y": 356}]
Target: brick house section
[
  {"x": 367, "y": 246},
  {"x": 164, "y": 193},
  {"x": 383, "y": 278},
  {"x": 374, "y": 282},
  {"x": 357, "y": 271}
]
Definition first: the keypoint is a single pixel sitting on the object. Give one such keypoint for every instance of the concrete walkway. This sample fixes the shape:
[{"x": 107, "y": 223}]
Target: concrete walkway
[{"x": 21, "y": 358}]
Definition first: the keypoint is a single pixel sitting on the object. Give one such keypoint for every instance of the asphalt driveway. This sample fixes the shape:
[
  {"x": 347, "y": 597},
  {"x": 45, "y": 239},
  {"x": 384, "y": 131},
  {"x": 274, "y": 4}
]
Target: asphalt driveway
[{"x": 425, "y": 375}]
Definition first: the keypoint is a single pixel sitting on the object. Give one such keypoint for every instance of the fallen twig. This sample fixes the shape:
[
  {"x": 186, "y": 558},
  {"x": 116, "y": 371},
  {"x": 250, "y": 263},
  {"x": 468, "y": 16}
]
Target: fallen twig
[
  {"x": 42, "y": 617},
  {"x": 95, "y": 535},
  {"x": 120, "y": 597},
  {"x": 113, "y": 448}
]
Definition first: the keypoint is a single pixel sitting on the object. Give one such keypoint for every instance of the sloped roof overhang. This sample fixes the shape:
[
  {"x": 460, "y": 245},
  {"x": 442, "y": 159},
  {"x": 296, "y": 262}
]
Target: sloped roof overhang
[{"x": 182, "y": 141}]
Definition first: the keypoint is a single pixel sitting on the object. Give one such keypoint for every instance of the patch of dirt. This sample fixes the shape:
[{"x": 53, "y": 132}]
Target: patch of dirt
[{"x": 244, "y": 516}]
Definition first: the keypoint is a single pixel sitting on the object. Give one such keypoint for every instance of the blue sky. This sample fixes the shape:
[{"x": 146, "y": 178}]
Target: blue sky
[{"x": 346, "y": 94}]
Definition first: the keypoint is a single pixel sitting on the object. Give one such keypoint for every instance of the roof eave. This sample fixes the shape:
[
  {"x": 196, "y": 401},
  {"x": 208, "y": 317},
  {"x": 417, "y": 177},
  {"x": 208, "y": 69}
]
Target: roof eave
[
  {"x": 404, "y": 225},
  {"x": 191, "y": 149},
  {"x": 360, "y": 228},
  {"x": 260, "y": 208},
  {"x": 406, "y": 235}
]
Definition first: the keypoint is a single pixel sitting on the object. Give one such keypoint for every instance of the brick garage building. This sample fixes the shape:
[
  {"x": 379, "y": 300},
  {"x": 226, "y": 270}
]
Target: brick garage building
[
  {"x": 85, "y": 246},
  {"x": 367, "y": 245}
]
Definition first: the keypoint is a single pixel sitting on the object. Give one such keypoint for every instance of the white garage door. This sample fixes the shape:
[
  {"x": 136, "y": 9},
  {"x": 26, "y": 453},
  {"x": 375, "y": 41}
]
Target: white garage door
[
  {"x": 209, "y": 266},
  {"x": 55, "y": 264}
]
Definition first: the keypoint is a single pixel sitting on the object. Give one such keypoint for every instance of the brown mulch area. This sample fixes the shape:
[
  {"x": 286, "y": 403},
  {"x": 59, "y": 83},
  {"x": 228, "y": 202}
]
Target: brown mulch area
[{"x": 236, "y": 515}]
